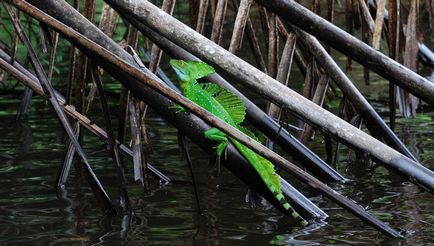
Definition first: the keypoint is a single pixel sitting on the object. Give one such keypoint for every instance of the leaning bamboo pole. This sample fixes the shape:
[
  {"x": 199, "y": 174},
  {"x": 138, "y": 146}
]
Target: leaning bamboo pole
[
  {"x": 112, "y": 60},
  {"x": 267, "y": 87}
]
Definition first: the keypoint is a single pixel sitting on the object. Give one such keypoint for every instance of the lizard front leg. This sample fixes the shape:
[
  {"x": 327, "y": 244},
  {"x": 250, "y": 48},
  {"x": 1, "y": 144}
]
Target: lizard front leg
[{"x": 219, "y": 136}]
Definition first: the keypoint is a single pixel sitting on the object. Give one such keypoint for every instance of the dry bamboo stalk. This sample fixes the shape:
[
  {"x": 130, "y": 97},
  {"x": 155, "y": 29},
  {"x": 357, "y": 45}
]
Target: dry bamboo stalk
[
  {"x": 14, "y": 48},
  {"x": 263, "y": 15},
  {"x": 192, "y": 11},
  {"x": 272, "y": 47},
  {"x": 139, "y": 160},
  {"x": 394, "y": 31},
  {"x": 317, "y": 98},
  {"x": 299, "y": 58},
  {"x": 82, "y": 61},
  {"x": 408, "y": 103},
  {"x": 108, "y": 20},
  {"x": 167, "y": 6},
  {"x": 378, "y": 25},
  {"x": 367, "y": 15},
  {"x": 219, "y": 17},
  {"x": 240, "y": 23},
  {"x": 253, "y": 41},
  {"x": 201, "y": 16},
  {"x": 283, "y": 72},
  {"x": 53, "y": 55}
]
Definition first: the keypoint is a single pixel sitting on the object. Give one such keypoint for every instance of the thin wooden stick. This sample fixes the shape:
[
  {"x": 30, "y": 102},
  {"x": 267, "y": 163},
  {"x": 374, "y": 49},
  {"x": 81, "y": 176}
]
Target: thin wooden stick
[
  {"x": 167, "y": 6},
  {"x": 219, "y": 17},
  {"x": 283, "y": 72},
  {"x": 201, "y": 16},
  {"x": 240, "y": 23}
]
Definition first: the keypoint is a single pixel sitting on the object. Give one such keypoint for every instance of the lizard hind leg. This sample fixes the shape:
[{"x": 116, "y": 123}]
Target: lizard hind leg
[{"x": 219, "y": 136}]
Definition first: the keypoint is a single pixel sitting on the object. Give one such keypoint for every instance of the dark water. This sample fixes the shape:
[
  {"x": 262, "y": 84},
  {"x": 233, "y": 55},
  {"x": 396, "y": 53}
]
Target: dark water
[{"x": 30, "y": 213}]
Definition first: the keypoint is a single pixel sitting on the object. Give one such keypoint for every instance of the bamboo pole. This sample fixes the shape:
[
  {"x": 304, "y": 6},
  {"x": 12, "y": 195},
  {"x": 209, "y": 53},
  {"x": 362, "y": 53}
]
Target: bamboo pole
[
  {"x": 112, "y": 60},
  {"x": 262, "y": 84},
  {"x": 240, "y": 23}
]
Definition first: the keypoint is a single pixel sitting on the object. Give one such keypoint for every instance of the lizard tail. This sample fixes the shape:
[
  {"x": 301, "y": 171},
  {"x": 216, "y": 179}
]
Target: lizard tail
[{"x": 294, "y": 213}]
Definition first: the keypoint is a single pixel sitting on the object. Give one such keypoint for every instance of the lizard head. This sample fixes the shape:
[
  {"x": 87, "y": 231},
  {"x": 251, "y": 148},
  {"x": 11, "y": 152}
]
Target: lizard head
[{"x": 188, "y": 71}]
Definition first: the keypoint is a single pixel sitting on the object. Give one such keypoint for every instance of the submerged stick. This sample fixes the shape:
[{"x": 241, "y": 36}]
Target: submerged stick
[{"x": 156, "y": 84}]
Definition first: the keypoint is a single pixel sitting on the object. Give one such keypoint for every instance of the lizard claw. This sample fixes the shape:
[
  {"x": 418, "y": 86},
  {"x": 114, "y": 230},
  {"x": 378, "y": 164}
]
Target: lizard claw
[{"x": 178, "y": 107}]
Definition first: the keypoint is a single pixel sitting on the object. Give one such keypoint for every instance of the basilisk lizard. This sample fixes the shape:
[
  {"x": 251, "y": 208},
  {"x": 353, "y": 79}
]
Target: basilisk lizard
[{"x": 229, "y": 108}]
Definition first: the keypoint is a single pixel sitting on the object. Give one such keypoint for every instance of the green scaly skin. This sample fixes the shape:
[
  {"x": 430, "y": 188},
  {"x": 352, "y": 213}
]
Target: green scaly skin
[{"x": 230, "y": 109}]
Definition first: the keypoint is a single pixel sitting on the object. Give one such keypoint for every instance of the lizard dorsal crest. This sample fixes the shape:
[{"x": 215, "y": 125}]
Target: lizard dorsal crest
[{"x": 230, "y": 102}]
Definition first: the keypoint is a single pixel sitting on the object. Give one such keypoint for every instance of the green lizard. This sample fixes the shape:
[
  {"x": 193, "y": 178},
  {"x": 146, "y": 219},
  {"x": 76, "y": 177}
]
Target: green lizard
[{"x": 228, "y": 107}]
